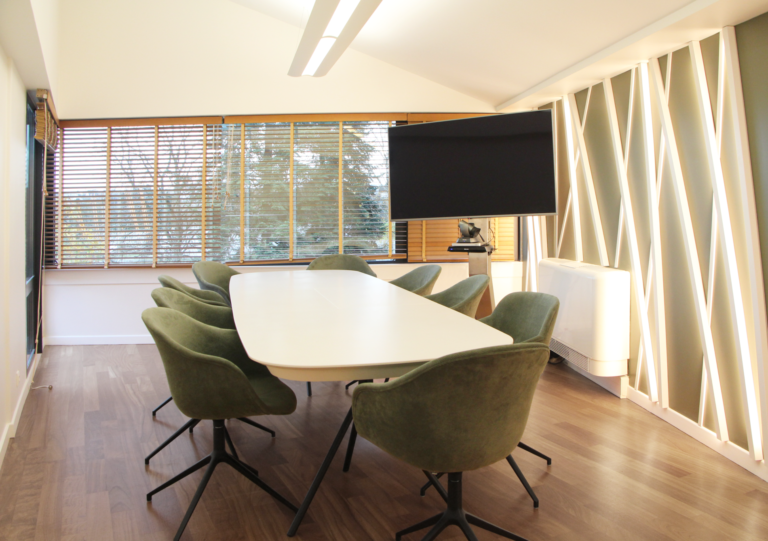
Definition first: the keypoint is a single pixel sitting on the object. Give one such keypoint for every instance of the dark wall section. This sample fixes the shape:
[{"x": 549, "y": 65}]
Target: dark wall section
[{"x": 752, "y": 41}]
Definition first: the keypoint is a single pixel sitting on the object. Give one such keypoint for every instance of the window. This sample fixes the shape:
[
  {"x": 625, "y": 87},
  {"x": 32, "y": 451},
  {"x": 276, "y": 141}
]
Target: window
[{"x": 249, "y": 192}]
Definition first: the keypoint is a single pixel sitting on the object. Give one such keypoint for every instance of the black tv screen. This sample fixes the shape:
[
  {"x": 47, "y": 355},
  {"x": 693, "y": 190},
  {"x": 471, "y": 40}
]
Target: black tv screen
[{"x": 501, "y": 165}]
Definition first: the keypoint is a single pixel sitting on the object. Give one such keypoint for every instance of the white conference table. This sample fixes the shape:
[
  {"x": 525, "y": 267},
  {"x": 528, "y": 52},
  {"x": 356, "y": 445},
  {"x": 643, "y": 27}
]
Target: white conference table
[{"x": 337, "y": 325}]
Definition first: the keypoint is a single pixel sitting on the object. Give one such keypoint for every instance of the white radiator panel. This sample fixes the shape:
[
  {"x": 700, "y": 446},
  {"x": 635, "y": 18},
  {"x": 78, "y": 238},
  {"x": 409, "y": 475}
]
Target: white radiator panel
[{"x": 592, "y": 328}]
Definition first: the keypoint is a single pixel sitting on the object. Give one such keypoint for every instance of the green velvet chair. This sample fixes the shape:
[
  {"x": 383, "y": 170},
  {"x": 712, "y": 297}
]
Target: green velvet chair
[
  {"x": 432, "y": 419},
  {"x": 420, "y": 280},
  {"x": 528, "y": 317},
  {"x": 216, "y": 316},
  {"x": 209, "y": 297},
  {"x": 342, "y": 262},
  {"x": 211, "y": 377},
  {"x": 214, "y": 276},
  {"x": 465, "y": 296}
]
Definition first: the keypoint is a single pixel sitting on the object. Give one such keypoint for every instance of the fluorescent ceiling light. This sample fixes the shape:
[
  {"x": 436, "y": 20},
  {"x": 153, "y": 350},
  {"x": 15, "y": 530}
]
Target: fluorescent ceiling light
[
  {"x": 318, "y": 56},
  {"x": 340, "y": 18},
  {"x": 331, "y": 27}
]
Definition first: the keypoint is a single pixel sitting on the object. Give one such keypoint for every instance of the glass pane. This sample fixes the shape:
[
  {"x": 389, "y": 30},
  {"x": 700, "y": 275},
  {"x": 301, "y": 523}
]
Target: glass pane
[
  {"x": 366, "y": 188},
  {"x": 179, "y": 194},
  {"x": 316, "y": 189}
]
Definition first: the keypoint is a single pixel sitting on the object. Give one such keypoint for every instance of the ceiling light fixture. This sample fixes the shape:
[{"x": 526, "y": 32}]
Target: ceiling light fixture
[{"x": 331, "y": 27}]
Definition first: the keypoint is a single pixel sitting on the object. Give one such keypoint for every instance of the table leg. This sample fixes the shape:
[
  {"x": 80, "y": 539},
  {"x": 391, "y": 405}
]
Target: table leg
[{"x": 320, "y": 474}]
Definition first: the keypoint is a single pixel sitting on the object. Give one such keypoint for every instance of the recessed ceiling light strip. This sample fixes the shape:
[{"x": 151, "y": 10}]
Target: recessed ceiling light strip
[{"x": 332, "y": 26}]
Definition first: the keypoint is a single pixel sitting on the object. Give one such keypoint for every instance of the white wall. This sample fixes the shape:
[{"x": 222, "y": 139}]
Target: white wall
[
  {"x": 147, "y": 66},
  {"x": 46, "y": 14},
  {"x": 103, "y": 306},
  {"x": 13, "y": 378}
]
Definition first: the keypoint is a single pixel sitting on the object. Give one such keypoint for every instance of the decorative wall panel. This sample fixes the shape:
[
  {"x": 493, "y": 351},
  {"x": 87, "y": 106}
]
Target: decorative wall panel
[{"x": 654, "y": 178}]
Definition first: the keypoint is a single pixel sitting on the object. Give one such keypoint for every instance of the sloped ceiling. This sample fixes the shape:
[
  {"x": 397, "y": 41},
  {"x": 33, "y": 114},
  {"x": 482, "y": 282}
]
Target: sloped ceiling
[
  {"x": 488, "y": 49},
  {"x": 150, "y": 58},
  {"x": 128, "y": 58}
]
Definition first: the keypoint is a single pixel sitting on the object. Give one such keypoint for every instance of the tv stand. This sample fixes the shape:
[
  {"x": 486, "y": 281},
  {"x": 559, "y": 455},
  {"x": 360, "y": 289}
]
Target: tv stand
[{"x": 480, "y": 263}]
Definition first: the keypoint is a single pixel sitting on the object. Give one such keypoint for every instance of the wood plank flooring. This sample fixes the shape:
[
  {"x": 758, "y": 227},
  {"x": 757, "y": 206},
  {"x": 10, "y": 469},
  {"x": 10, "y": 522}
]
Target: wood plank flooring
[{"x": 75, "y": 470}]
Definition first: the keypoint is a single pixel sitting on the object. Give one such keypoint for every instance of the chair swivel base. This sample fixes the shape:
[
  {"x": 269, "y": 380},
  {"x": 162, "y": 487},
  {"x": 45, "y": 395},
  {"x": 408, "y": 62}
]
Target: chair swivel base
[
  {"x": 192, "y": 423},
  {"x": 455, "y": 515},
  {"x": 218, "y": 456},
  {"x": 512, "y": 463}
]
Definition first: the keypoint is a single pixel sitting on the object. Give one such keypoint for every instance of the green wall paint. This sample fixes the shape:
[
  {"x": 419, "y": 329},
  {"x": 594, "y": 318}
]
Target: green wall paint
[{"x": 752, "y": 41}]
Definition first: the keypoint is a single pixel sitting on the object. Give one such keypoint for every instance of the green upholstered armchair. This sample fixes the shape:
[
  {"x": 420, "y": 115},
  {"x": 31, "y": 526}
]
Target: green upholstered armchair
[
  {"x": 211, "y": 377},
  {"x": 216, "y": 316},
  {"x": 209, "y": 297},
  {"x": 214, "y": 276},
  {"x": 465, "y": 296},
  {"x": 420, "y": 280},
  {"x": 528, "y": 317},
  {"x": 341, "y": 262},
  {"x": 432, "y": 418}
]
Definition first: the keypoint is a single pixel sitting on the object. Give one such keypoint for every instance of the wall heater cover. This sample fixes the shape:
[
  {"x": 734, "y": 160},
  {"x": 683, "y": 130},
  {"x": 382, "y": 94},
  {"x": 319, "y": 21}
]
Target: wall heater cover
[{"x": 592, "y": 326}]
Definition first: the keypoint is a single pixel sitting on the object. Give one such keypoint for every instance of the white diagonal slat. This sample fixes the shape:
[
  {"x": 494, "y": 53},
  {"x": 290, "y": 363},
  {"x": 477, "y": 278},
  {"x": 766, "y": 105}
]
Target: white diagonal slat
[
  {"x": 572, "y": 158},
  {"x": 691, "y": 253},
  {"x": 636, "y": 276},
  {"x": 655, "y": 265},
  {"x": 586, "y": 170},
  {"x": 749, "y": 395}
]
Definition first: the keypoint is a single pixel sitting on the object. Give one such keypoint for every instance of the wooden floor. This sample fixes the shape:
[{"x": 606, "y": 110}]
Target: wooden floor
[{"x": 75, "y": 470}]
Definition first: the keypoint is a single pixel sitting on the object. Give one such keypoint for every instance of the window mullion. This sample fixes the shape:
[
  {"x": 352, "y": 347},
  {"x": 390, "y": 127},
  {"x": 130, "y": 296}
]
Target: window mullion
[
  {"x": 202, "y": 197},
  {"x": 61, "y": 199},
  {"x": 341, "y": 189},
  {"x": 389, "y": 217},
  {"x": 242, "y": 192},
  {"x": 154, "y": 197},
  {"x": 106, "y": 198},
  {"x": 290, "y": 197}
]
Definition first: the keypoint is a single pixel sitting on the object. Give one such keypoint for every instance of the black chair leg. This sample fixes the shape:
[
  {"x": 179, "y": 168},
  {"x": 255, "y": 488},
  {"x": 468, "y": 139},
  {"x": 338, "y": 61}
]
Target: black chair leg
[
  {"x": 189, "y": 424},
  {"x": 309, "y": 388},
  {"x": 218, "y": 455},
  {"x": 229, "y": 442},
  {"x": 247, "y": 421},
  {"x": 350, "y": 448},
  {"x": 154, "y": 411},
  {"x": 455, "y": 515},
  {"x": 429, "y": 483},
  {"x": 523, "y": 480},
  {"x": 533, "y": 451},
  {"x": 350, "y": 384}
]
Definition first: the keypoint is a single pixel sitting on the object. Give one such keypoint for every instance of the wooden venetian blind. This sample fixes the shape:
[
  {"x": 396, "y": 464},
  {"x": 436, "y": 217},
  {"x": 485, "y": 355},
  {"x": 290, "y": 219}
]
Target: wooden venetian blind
[
  {"x": 147, "y": 194},
  {"x": 429, "y": 240},
  {"x": 365, "y": 221},
  {"x": 317, "y": 191}
]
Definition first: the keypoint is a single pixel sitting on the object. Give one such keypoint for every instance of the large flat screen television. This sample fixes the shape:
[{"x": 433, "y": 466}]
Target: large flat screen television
[{"x": 502, "y": 165}]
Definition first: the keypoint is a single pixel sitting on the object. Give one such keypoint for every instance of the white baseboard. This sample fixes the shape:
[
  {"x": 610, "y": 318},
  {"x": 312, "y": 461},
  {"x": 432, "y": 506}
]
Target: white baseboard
[
  {"x": 9, "y": 431},
  {"x": 730, "y": 451},
  {"x": 616, "y": 385},
  {"x": 99, "y": 340}
]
